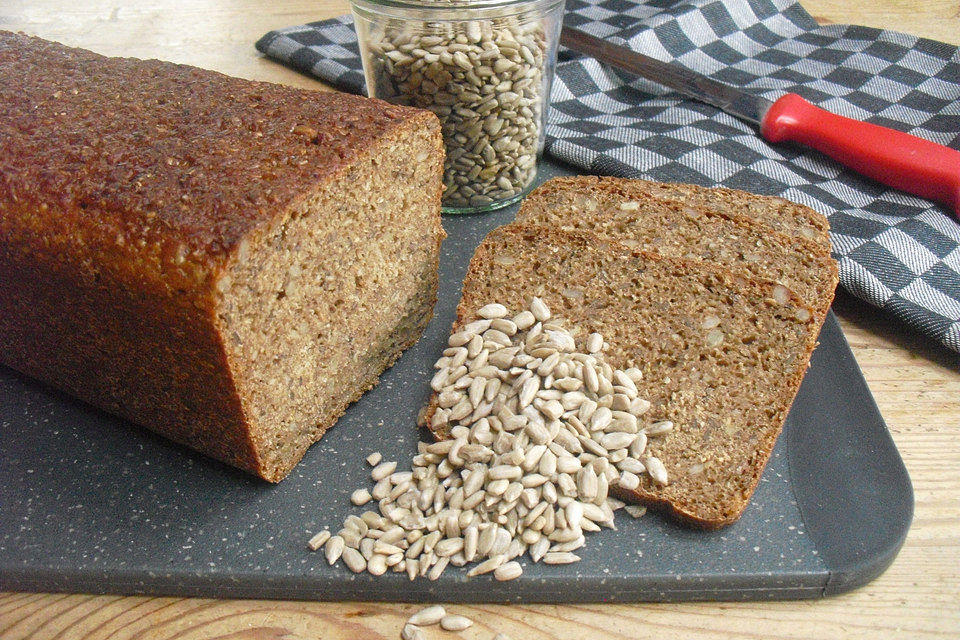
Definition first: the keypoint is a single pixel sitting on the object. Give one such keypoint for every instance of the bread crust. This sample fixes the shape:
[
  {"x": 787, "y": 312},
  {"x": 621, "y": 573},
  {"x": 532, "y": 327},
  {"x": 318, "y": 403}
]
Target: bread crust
[
  {"x": 178, "y": 163},
  {"x": 128, "y": 191}
]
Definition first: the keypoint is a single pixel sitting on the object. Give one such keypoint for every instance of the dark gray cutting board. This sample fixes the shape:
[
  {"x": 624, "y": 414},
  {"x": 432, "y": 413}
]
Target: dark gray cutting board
[{"x": 89, "y": 503}]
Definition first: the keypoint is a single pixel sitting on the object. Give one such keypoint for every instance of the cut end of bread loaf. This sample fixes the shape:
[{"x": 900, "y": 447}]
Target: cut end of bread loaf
[
  {"x": 314, "y": 307},
  {"x": 722, "y": 354}
]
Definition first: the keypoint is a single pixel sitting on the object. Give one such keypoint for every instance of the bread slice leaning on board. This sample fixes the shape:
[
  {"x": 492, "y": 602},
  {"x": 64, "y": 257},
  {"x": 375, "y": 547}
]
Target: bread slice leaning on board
[
  {"x": 729, "y": 228},
  {"x": 228, "y": 263},
  {"x": 716, "y": 295}
]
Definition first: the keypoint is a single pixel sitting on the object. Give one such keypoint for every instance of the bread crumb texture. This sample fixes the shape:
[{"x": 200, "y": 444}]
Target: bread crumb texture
[
  {"x": 722, "y": 355},
  {"x": 729, "y": 228}
]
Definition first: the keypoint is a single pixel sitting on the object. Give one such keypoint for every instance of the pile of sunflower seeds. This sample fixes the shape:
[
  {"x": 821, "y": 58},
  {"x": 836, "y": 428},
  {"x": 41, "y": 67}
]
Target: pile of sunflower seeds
[
  {"x": 539, "y": 433},
  {"x": 484, "y": 79}
]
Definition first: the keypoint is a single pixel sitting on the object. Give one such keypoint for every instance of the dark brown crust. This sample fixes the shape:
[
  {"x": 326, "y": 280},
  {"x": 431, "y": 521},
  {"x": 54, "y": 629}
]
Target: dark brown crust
[
  {"x": 683, "y": 508},
  {"x": 178, "y": 163},
  {"x": 126, "y": 187},
  {"x": 98, "y": 338}
]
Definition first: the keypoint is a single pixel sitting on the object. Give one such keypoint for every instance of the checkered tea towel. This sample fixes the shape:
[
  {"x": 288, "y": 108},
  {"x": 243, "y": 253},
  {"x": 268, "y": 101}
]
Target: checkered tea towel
[{"x": 896, "y": 251}]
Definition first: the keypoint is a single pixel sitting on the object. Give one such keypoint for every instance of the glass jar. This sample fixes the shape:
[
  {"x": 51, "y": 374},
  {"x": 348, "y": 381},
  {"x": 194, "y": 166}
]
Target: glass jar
[{"x": 485, "y": 68}]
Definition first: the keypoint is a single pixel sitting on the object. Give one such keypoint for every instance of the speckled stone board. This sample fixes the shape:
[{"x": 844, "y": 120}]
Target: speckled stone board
[{"x": 89, "y": 503}]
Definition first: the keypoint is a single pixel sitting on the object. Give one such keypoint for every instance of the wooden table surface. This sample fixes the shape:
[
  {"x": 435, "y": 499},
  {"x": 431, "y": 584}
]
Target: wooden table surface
[{"x": 916, "y": 385}]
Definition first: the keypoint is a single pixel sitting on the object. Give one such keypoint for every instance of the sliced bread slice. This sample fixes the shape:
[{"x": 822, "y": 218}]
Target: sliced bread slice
[
  {"x": 722, "y": 355},
  {"x": 782, "y": 215},
  {"x": 637, "y": 213}
]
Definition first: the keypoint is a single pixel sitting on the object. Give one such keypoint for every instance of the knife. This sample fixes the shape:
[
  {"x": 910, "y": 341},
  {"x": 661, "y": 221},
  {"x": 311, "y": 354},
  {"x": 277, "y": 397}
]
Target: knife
[{"x": 896, "y": 159}]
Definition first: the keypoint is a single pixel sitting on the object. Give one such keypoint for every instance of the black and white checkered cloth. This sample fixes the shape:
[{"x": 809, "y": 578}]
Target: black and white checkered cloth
[{"x": 896, "y": 251}]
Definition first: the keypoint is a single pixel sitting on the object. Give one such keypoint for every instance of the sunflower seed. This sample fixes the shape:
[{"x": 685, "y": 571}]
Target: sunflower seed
[
  {"x": 628, "y": 481},
  {"x": 360, "y": 497},
  {"x": 452, "y": 622},
  {"x": 587, "y": 484},
  {"x": 631, "y": 465},
  {"x": 366, "y": 548},
  {"x": 354, "y": 560},
  {"x": 560, "y": 557},
  {"x": 656, "y": 470},
  {"x": 524, "y": 320},
  {"x": 438, "y": 568},
  {"x": 411, "y": 632},
  {"x": 539, "y": 310},
  {"x": 377, "y": 565},
  {"x": 635, "y": 510},
  {"x": 318, "y": 540},
  {"x": 594, "y": 343},
  {"x": 427, "y": 616},
  {"x": 493, "y": 310},
  {"x": 638, "y": 446},
  {"x": 334, "y": 549},
  {"x": 508, "y": 571},
  {"x": 659, "y": 428},
  {"x": 601, "y": 419},
  {"x": 383, "y": 470},
  {"x": 616, "y": 440}
]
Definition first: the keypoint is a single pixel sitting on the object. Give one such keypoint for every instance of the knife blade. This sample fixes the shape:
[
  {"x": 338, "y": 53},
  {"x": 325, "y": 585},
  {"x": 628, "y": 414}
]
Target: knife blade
[{"x": 899, "y": 160}]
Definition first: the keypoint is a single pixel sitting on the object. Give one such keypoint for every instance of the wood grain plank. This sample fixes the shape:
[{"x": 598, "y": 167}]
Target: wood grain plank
[{"x": 915, "y": 383}]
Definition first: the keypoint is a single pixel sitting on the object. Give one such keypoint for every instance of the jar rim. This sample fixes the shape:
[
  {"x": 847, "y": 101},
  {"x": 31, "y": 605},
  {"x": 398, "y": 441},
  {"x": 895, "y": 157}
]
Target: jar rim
[{"x": 447, "y": 5}]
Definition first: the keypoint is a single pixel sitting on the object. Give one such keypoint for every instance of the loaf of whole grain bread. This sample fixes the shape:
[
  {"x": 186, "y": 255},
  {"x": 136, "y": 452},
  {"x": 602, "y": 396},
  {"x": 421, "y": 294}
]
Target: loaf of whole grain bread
[
  {"x": 722, "y": 353},
  {"x": 729, "y": 228},
  {"x": 228, "y": 263}
]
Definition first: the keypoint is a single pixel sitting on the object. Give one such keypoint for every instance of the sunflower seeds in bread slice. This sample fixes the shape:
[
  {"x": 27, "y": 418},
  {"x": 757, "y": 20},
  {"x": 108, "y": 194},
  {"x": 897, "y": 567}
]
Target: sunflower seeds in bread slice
[
  {"x": 636, "y": 213},
  {"x": 781, "y": 215},
  {"x": 721, "y": 356}
]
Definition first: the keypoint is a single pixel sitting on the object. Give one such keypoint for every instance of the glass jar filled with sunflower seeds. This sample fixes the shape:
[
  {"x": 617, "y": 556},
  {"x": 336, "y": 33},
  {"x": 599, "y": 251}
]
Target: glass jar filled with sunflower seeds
[{"x": 485, "y": 68}]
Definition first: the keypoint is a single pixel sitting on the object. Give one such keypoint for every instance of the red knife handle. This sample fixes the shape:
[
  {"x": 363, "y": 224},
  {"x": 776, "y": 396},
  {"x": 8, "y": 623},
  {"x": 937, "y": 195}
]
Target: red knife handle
[{"x": 896, "y": 159}]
